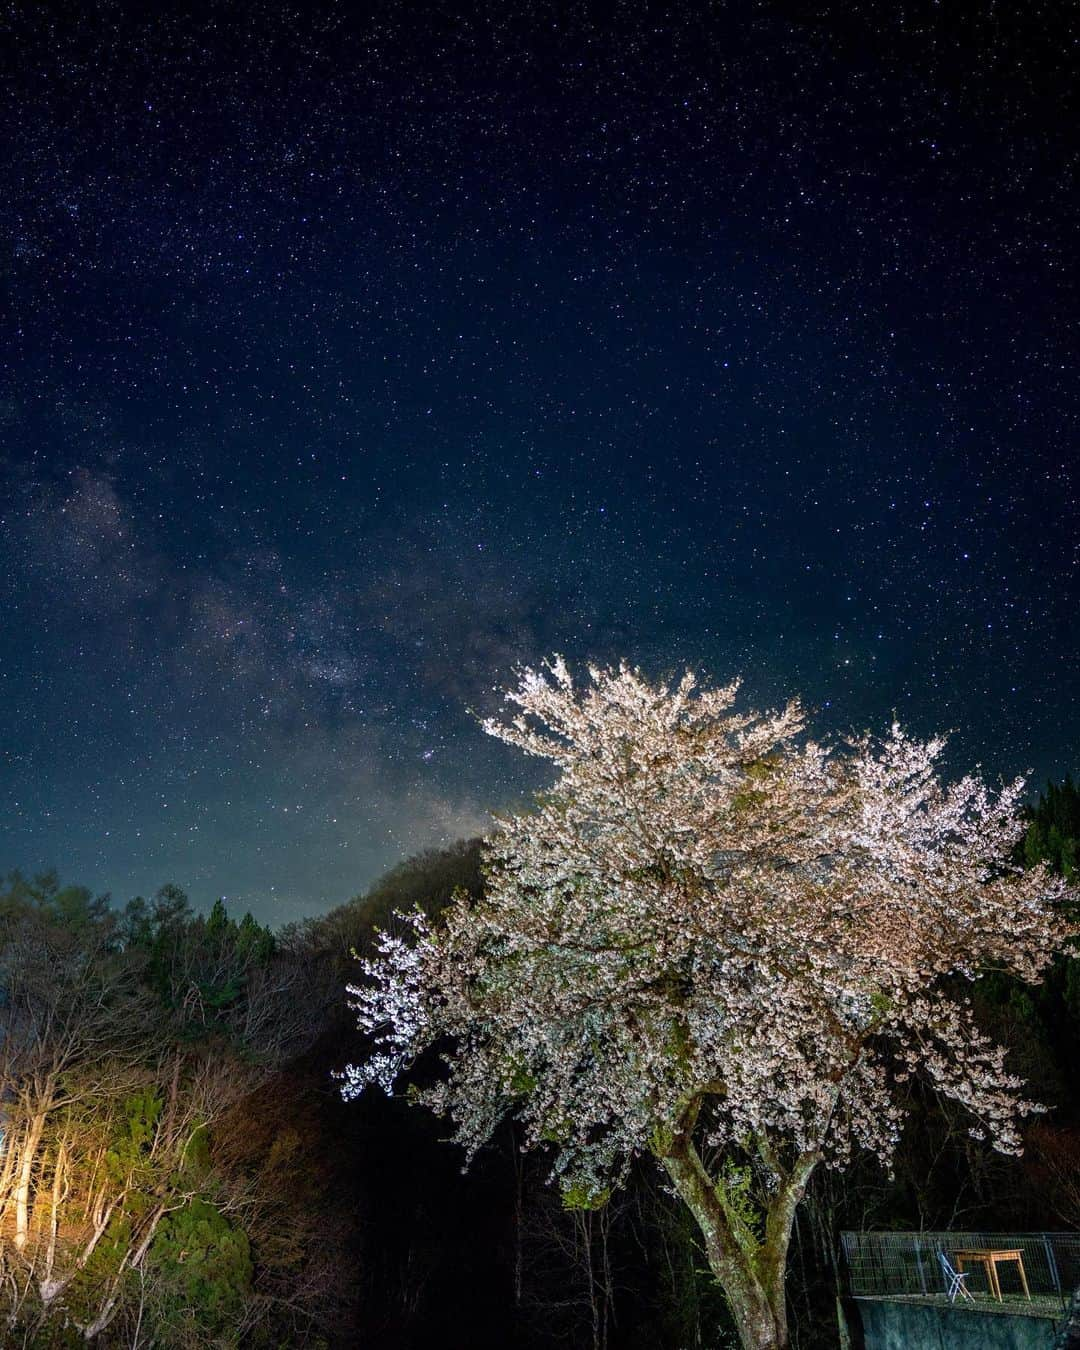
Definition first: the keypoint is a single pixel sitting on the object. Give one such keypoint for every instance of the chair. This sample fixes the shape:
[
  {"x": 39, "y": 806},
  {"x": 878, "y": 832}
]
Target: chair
[{"x": 954, "y": 1280}]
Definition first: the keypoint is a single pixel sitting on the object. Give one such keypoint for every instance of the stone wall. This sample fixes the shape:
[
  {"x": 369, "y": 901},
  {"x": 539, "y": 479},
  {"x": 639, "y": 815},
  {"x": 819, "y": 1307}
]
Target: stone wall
[{"x": 915, "y": 1326}]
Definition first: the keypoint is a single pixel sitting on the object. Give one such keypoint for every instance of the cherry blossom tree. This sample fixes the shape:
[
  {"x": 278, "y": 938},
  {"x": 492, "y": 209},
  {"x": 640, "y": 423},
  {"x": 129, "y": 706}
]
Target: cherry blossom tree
[{"x": 720, "y": 943}]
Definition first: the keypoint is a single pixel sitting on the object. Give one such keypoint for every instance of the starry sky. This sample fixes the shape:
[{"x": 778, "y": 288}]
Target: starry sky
[{"x": 354, "y": 353}]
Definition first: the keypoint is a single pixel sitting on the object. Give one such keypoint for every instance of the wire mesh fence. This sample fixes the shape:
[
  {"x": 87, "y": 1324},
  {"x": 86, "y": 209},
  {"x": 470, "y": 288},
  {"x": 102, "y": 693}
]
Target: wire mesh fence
[{"x": 1003, "y": 1272}]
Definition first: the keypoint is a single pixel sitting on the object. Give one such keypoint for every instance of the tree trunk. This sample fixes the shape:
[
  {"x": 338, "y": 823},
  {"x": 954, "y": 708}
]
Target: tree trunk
[
  {"x": 108, "y": 1308},
  {"x": 48, "y": 1286},
  {"x": 751, "y": 1274},
  {"x": 23, "y": 1179},
  {"x": 7, "y": 1172}
]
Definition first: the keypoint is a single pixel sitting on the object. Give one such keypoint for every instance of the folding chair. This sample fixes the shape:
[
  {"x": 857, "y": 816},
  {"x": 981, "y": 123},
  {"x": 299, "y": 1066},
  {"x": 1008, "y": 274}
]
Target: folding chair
[{"x": 954, "y": 1279}]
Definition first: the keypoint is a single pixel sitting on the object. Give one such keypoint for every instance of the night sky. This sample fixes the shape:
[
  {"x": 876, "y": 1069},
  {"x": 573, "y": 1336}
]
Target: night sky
[{"x": 353, "y": 353}]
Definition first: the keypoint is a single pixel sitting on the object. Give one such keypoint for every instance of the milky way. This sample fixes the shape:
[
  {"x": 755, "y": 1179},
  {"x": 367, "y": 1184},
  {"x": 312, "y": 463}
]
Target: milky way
[{"x": 351, "y": 358}]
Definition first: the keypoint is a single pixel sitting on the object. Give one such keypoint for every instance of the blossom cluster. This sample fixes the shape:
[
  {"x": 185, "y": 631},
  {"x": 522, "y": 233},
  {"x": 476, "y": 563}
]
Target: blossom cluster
[{"x": 713, "y": 922}]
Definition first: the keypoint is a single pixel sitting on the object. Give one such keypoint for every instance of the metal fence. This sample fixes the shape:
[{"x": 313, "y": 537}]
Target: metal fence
[{"x": 909, "y": 1266}]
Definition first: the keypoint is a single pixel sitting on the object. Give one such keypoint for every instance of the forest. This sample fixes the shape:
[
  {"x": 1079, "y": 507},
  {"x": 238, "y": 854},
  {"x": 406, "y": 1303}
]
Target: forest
[{"x": 179, "y": 1167}]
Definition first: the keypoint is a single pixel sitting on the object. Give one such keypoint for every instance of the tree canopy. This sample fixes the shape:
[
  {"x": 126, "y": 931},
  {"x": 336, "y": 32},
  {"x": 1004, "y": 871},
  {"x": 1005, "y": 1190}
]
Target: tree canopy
[{"x": 715, "y": 933}]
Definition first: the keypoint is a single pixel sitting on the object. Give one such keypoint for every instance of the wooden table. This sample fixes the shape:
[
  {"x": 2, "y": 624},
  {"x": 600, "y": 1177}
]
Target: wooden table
[{"x": 989, "y": 1258}]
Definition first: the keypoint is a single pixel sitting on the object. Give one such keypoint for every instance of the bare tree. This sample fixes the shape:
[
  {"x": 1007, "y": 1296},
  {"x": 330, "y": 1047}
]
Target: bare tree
[{"x": 119, "y": 1055}]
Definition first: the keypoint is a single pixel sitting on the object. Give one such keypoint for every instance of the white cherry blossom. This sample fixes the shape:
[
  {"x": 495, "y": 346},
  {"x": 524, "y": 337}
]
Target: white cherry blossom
[{"x": 713, "y": 933}]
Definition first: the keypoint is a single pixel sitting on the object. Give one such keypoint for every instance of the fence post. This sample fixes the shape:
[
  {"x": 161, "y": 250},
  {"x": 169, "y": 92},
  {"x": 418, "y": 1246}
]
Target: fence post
[
  {"x": 922, "y": 1272},
  {"x": 1051, "y": 1261}
]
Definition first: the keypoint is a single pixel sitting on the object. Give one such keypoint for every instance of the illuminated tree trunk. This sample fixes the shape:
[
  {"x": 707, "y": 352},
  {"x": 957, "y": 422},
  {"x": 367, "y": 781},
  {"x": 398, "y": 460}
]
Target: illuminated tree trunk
[
  {"x": 751, "y": 1271},
  {"x": 7, "y": 1171},
  {"x": 49, "y": 1286},
  {"x": 23, "y": 1179},
  {"x": 134, "y": 1258}
]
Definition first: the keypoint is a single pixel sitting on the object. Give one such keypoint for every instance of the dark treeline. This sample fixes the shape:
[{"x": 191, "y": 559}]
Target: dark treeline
[{"x": 177, "y": 1168}]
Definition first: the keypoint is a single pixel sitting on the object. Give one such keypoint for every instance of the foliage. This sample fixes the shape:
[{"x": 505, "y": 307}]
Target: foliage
[
  {"x": 713, "y": 931},
  {"x": 127, "y": 1037},
  {"x": 203, "y": 1264},
  {"x": 1053, "y": 832},
  {"x": 357, "y": 1224}
]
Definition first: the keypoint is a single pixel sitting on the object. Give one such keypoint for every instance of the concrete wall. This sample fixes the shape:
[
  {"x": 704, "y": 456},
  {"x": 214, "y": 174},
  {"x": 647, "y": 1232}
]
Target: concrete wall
[{"x": 913, "y": 1326}]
